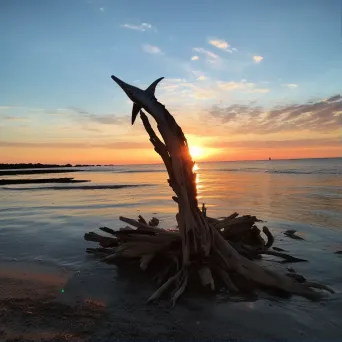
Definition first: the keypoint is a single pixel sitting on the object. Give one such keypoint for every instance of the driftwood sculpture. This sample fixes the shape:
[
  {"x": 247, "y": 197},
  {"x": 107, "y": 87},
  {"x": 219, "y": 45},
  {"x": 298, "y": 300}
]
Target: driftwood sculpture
[{"x": 203, "y": 250}]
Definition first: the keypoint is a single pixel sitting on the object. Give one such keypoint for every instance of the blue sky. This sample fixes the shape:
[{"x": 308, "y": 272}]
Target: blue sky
[{"x": 58, "y": 55}]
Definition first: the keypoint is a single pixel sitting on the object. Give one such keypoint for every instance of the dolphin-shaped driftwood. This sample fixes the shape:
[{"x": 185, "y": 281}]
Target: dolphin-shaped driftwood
[
  {"x": 142, "y": 99},
  {"x": 199, "y": 246}
]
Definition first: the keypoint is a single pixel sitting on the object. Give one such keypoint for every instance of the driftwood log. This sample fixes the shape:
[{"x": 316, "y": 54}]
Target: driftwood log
[{"x": 212, "y": 252}]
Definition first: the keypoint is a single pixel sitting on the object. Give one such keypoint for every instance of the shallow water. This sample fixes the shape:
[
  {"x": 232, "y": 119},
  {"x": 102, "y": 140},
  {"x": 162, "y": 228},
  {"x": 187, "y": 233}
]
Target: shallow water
[{"x": 45, "y": 223}]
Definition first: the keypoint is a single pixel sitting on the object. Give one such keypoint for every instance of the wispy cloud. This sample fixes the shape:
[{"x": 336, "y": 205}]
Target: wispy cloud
[
  {"x": 258, "y": 59},
  {"x": 194, "y": 58},
  {"x": 231, "y": 85},
  {"x": 185, "y": 93},
  {"x": 77, "y": 145},
  {"x": 320, "y": 116},
  {"x": 335, "y": 98},
  {"x": 266, "y": 144},
  {"x": 5, "y": 107},
  {"x": 101, "y": 9},
  {"x": 180, "y": 91},
  {"x": 207, "y": 53},
  {"x": 107, "y": 119},
  {"x": 231, "y": 63},
  {"x": 243, "y": 85},
  {"x": 15, "y": 118},
  {"x": 292, "y": 85},
  {"x": 221, "y": 44},
  {"x": 141, "y": 27},
  {"x": 151, "y": 49},
  {"x": 260, "y": 90}
]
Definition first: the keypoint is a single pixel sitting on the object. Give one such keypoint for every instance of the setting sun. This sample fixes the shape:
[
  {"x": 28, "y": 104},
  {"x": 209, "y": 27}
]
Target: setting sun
[{"x": 196, "y": 151}]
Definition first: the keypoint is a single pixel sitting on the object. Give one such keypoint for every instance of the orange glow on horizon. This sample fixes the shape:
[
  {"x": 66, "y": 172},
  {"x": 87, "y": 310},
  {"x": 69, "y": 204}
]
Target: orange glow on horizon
[{"x": 104, "y": 156}]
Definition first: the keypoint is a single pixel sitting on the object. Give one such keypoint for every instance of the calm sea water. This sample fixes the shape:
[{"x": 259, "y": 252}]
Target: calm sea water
[
  {"x": 46, "y": 223},
  {"x": 301, "y": 194}
]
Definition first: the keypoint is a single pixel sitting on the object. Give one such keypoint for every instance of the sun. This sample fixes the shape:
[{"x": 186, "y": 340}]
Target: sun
[{"x": 196, "y": 151}]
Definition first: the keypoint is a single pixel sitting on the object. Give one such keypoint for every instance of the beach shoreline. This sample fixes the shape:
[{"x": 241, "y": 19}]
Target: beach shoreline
[
  {"x": 41, "y": 234},
  {"x": 97, "y": 303}
]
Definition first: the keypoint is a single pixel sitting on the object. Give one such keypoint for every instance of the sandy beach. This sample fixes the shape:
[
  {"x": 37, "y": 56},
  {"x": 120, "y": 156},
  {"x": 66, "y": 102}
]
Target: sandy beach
[
  {"x": 31, "y": 310},
  {"x": 96, "y": 304}
]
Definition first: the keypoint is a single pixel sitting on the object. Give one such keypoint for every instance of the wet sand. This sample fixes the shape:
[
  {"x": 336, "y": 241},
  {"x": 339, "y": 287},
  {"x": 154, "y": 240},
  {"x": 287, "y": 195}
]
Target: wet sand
[
  {"x": 30, "y": 309},
  {"x": 99, "y": 303}
]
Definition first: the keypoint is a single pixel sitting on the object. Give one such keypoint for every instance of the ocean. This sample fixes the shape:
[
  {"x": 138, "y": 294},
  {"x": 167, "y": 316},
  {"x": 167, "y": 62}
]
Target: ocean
[{"x": 45, "y": 223}]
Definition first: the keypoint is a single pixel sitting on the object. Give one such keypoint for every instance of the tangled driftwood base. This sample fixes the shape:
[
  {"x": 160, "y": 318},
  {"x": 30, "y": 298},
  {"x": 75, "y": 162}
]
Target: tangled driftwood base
[
  {"x": 158, "y": 250},
  {"x": 205, "y": 250}
]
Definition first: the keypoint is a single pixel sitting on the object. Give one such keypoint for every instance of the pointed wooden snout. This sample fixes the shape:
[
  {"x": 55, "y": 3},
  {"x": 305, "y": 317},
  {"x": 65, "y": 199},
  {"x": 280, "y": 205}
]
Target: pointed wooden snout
[
  {"x": 125, "y": 86},
  {"x": 140, "y": 98}
]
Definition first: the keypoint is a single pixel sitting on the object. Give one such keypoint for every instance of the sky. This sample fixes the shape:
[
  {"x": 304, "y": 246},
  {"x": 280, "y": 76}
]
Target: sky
[{"x": 244, "y": 79}]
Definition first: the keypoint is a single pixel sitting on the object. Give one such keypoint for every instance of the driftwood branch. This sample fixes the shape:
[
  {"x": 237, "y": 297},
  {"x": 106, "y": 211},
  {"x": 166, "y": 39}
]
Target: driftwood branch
[{"x": 207, "y": 249}]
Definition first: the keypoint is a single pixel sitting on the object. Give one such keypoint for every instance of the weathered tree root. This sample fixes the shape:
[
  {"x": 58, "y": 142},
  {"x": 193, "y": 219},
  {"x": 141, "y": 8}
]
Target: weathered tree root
[
  {"x": 146, "y": 244},
  {"x": 287, "y": 258}
]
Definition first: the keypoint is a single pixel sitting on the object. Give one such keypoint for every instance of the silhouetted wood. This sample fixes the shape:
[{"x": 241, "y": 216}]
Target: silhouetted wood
[
  {"x": 33, "y": 172},
  {"x": 278, "y": 249},
  {"x": 286, "y": 257},
  {"x": 40, "y": 181},
  {"x": 292, "y": 234},
  {"x": 205, "y": 249},
  {"x": 102, "y": 240},
  {"x": 270, "y": 238},
  {"x": 31, "y": 166}
]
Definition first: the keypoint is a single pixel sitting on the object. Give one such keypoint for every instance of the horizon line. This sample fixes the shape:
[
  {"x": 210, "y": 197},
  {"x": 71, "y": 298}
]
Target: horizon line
[{"x": 160, "y": 163}]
